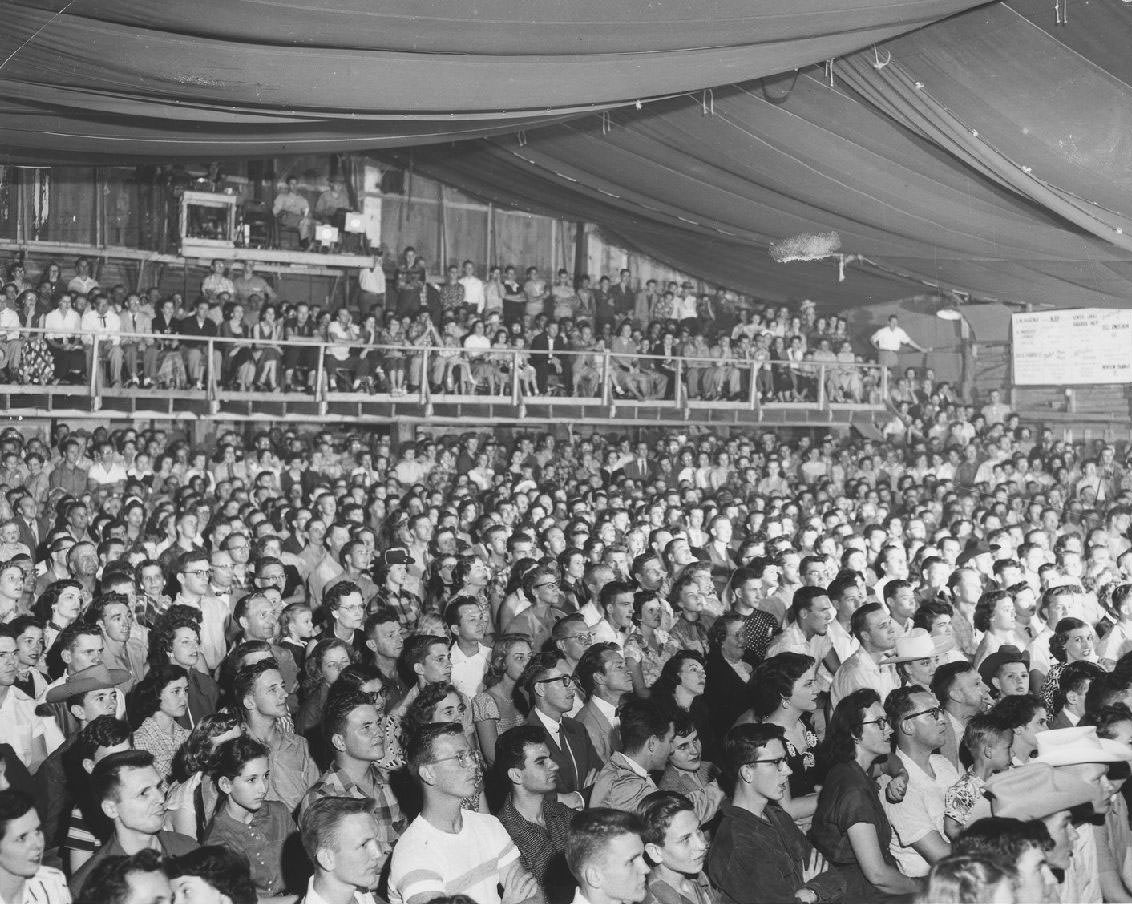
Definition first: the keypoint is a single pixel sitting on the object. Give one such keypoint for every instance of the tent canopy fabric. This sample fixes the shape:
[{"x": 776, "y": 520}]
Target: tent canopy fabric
[{"x": 984, "y": 149}]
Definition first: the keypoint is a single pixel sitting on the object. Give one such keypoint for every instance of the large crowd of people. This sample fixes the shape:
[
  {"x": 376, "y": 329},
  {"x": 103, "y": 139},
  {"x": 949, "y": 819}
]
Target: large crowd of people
[
  {"x": 557, "y": 337},
  {"x": 691, "y": 668}
]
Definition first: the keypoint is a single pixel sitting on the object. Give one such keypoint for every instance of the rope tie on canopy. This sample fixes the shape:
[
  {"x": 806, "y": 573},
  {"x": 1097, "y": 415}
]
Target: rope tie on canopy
[
  {"x": 829, "y": 70},
  {"x": 522, "y": 136},
  {"x": 606, "y": 122},
  {"x": 878, "y": 65},
  {"x": 707, "y": 101},
  {"x": 1061, "y": 11}
]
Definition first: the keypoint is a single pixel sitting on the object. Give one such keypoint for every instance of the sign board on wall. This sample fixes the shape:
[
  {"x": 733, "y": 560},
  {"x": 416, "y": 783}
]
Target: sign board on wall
[{"x": 1072, "y": 347}]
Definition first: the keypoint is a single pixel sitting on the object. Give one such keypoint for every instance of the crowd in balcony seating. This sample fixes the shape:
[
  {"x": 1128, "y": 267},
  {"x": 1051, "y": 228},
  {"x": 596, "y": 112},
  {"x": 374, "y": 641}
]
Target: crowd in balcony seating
[
  {"x": 699, "y": 668},
  {"x": 550, "y": 337}
]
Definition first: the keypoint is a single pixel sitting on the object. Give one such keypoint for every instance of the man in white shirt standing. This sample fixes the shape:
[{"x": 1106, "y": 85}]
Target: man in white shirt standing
[
  {"x": 448, "y": 850},
  {"x": 473, "y": 288},
  {"x": 82, "y": 283},
  {"x": 888, "y": 341},
  {"x": 102, "y": 322},
  {"x": 343, "y": 840}
]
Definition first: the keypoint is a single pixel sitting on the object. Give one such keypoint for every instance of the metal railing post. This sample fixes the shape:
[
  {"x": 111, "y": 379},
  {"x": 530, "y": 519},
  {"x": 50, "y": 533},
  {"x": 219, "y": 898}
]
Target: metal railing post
[
  {"x": 753, "y": 395},
  {"x": 606, "y": 378},
  {"x": 424, "y": 374},
  {"x": 678, "y": 393},
  {"x": 821, "y": 387},
  {"x": 95, "y": 382},
  {"x": 320, "y": 375},
  {"x": 210, "y": 380},
  {"x": 884, "y": 384},
  {"x": 515, "y": 395}
]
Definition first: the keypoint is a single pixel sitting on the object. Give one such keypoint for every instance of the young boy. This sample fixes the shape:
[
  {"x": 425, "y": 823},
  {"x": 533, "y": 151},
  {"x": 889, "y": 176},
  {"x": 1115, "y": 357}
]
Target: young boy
[
  {"x": 296, "y": 623},
  {"x": 688, "y": 772},
  {"x": 247, "y": 822},
  {"x": 676, "y": 847},
  {"x": 985, "y": 750}
]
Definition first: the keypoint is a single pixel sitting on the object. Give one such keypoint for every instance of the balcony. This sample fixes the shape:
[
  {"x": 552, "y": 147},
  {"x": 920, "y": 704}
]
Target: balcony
[{"x": 498, "y": 387}]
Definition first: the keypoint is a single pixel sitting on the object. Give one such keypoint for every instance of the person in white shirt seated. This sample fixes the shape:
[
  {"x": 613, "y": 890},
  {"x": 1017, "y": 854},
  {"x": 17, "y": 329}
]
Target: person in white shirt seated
[
  {"x": 448, "y": 850},
  {"x": 82, "y": 283},
  {"x": 62, "y": 327},
  {"x": 606, "y": 854},
  {"x": 101, "y": 321},
  {"x": 343, "y": 840}
]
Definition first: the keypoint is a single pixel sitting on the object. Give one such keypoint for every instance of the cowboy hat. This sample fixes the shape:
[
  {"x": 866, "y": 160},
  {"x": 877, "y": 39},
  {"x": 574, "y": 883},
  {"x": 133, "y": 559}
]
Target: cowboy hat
[
  {"x": 1007, "y": 653},
  {"x": 96, "y": 678},
  {"x": 919, "y": 644},
  {"x": 1072, "y": 746},
  {"x": 1037, "y": 790}
]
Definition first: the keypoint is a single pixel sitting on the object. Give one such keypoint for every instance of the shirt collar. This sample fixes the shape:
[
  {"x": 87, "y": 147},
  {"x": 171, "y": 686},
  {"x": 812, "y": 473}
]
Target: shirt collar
[
  {"x": 606, "y": 709},
  {"x": 631, "y": 764},
  {"x": 549, "y": 724}
]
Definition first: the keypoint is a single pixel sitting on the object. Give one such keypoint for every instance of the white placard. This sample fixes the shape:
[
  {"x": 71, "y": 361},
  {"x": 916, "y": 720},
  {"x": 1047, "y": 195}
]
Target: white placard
[{"x": 1072, "y": 347}]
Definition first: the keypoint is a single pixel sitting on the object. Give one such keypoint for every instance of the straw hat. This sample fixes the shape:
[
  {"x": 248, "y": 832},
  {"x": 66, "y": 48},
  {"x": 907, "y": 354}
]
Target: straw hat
[
  {"x": 919, "y": 644},
  {"x": 1073, "y": 746},
  {"x": 1037, "y": 790}
]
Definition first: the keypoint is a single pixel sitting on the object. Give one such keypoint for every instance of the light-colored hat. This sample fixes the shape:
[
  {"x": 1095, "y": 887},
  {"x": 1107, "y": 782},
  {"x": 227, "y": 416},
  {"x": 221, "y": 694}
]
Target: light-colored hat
[
  {"x": 95, "y": 678},
  {"x": 1037, "y": 790},
  {"x": 1073, "y": 746},
  {"x": 920, "y": 644}
]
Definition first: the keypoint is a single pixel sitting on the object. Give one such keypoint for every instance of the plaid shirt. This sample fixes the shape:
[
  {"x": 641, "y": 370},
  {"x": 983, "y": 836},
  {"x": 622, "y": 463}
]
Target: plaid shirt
[
  {"x": 336, "y": 783},
  {"x": 407, "y": 606}
]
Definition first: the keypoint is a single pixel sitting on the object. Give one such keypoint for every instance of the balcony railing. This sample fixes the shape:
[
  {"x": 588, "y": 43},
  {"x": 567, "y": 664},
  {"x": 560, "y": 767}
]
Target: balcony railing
[{"x": 433, "y": 375}]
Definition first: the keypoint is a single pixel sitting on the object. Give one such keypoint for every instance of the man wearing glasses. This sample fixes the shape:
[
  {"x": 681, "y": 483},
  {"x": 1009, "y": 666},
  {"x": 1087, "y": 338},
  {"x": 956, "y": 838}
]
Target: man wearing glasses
[
  {"x": 756, "y": 831},
  {"x": 194, "y": 574},
  {"x": 537, "y": 622},
  {"x": 547, "y": 687},
  {"x": 917, "y": 721},
  {"x": 448, "y": 850}
]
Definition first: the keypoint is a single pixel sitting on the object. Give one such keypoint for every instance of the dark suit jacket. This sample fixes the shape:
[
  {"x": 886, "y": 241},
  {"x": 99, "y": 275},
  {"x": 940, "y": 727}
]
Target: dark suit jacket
[
  {"x": 604, "y": 736},
  {"x": 635, "y": 472},
  {"x": 730, "y": 697},
  {"x": 204, "y": 695},
  {"x": 573, "y": 769}
]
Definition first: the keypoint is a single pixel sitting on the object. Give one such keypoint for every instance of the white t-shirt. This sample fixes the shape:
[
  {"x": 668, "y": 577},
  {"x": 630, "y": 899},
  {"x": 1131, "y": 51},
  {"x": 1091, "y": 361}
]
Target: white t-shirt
[
  {"x": 890, "y": 339},
  {"x": 428, "y": 863},
  {"x": 473, "y": 291},
  {"x": 19, "y": 725}
]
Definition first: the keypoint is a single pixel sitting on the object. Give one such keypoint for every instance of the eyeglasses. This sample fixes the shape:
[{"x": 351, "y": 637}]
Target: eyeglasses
[
  {"x": 778, "y": 762},
  {"x": 581, "y": 638},
  {"x": 546, "y": 584},
  {"x": 882, "y": 722},
  {"x": 200, "y": 572},
  {"x": 935, "y": 712},
  {"x": 464, "y": 758},
  {"x": 566, "y": 680}
]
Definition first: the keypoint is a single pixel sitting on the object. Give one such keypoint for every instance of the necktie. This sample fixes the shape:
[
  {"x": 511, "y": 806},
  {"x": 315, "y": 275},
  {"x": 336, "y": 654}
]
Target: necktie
[{"x": 102, "y": 317}]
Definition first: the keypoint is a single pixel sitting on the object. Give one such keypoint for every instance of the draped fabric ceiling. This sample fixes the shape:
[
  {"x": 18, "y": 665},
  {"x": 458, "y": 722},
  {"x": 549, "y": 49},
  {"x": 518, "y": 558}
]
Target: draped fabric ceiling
[{"x": 982, "y": 149}]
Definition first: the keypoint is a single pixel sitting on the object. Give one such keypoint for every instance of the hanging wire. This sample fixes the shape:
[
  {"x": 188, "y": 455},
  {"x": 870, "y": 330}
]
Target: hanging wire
[{"x": 781, "y": 98}]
